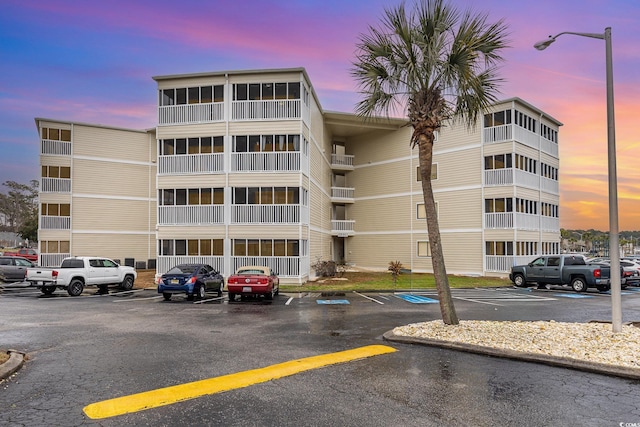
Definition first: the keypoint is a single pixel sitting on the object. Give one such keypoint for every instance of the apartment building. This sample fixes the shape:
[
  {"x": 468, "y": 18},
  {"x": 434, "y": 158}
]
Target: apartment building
[{"x": 245, "y": 167}]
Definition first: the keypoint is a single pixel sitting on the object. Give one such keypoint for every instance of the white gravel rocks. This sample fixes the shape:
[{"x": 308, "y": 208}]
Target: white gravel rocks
[{"x": 591, "y": 342}]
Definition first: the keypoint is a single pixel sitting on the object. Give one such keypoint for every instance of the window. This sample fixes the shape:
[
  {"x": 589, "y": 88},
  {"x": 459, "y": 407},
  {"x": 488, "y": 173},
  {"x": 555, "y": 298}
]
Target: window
[
  {"x": 192, "y": 247},
  {"x": 267, "y": 195},
  {"x": 423, "y": 249},
  {"x": 498, "y": 205},
  {"x": 266, "y": 247},
  {"x": 498, "y": 118},
  {"x": 56, "y": 172},
  {"x": 525, "y": 163},
  {"x": 265, "y": 91},
  {"x": 190, "y": 196},
  {"x": 191, "y": 95},
  {"x": 55, "y": 246},
  {"x": 548, "y": 133},
  {"x": 434, "y": 172},
  {"x": 56, "y": 209},
  {"x": 498, "y": 248},
  {"x": 421, "y": 212},
  {"x": 549, "y": 171},
  {"x": 196, "y": 145},
  {"x": 499, "y": 161},
  {"x": 525, "y": 121},
  {"x": 265, "y": 143},
  {"x": 54, "y": 134}
]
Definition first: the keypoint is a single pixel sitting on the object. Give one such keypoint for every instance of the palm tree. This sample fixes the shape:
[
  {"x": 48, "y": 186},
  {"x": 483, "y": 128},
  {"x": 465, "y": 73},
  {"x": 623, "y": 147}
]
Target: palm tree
[{"x": 434, "y": 64}]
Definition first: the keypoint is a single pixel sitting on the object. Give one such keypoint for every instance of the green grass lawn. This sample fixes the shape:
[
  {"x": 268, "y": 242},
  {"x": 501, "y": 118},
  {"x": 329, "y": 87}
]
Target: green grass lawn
[{"x": 384, "y": 282}]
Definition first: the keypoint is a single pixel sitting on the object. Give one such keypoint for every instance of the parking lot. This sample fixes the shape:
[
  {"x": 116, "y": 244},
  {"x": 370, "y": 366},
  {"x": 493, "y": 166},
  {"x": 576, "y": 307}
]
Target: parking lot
[{"x": 89, "y": 349}]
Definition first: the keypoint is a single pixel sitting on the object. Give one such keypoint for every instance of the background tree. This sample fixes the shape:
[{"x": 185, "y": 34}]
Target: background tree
[
  {"x": 19, "y": 208},
  {"x": 433, "y": 64}
]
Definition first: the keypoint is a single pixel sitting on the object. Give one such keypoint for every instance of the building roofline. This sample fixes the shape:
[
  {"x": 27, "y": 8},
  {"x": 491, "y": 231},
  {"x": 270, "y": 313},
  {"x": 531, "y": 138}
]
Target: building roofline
[
  {"x": 533, "y": 107},
  {"x": 95, "y": 125}
]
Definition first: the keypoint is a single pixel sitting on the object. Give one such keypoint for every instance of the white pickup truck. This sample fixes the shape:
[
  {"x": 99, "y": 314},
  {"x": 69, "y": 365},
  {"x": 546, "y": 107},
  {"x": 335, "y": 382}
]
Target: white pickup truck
[{"x": 77, "y": 272}]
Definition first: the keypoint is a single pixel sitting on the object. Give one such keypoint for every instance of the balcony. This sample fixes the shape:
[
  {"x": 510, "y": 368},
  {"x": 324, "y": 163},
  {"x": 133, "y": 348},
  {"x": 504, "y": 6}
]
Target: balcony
[
  {"x": 48, "y": 222},
  {"x": 520, "y": 221},
  {"x": 503, "y": 263},
  {"x": 512, "y": 132},
  {"x": 55, "y": 148},
  {"x": 283, "y": 266},
  {"x": 269, "y": 214},
  {"x": 341, "y": 195},
  {"x": 343, "y": 162},
  {"x": 55, "y": 185},
  {"x": 190, "y": 164},
  {"x": 279, "y": 109},
  {"x": 342, "y": 227},
  {"x": 191, "y": 215},
  {"x": 190, "y": 113},
  {"x": 52, "y": 260},
  {"x": 284, "y": 161},
  {"x": 166, "y": 262}
]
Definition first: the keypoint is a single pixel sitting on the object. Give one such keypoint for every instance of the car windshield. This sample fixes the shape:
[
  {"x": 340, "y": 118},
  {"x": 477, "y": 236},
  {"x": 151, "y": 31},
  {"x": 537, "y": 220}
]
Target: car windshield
[{"x": 182, "y": 269}]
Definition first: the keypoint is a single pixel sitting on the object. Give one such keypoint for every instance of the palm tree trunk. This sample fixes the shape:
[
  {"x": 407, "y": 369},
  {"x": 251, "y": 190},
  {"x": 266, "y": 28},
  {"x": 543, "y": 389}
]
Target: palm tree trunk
[{"x": 447, "y": 309}]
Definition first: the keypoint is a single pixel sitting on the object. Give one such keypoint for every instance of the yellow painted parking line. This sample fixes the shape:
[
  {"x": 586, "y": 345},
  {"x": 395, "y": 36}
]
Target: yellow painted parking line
[{"x": 178, "y": 393}]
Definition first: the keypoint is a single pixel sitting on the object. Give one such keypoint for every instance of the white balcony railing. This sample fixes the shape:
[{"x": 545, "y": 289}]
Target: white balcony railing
[
  {"x": 52, "y": 260},
  {"x": 514, "y": 132},
  {"x": 55, "y": 185},
  {"x": 165, "y": 262},
  {"x": 280, "y": 109},
  {"x": 191, "y": 113},
  {"x": 55, "y": 222},
  {"x": 520, "y": 221},
  {"x": 55, "y": 148},
  {"x": 190, "y": 164},
  {"x": 343, "y": 194},
  {"x": 512, "y": 176},
  {"x": 283, "y": 266},
  {"x": 342, "y": 161},
  {"x": 342, "y": 227},
  {"x": 287, "y": 161},
  {"x": 503, "y": 263},
  {"x": 269, "y": 214},
  {"x": 550, "y": 185},
  {"x": 191, "y": 215}
]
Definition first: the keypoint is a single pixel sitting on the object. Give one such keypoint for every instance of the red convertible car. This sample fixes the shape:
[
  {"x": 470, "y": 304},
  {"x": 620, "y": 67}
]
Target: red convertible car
[{"x": 253, "y": 281}]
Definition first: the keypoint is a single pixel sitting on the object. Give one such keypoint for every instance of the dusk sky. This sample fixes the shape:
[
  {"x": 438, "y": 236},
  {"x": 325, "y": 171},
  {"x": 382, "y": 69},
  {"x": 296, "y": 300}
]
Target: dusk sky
[{"x": 92, "y": 61}]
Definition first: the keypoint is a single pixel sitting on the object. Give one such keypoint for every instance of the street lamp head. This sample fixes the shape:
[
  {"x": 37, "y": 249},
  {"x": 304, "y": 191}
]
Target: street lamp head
[{"x": 542, "y": 45}]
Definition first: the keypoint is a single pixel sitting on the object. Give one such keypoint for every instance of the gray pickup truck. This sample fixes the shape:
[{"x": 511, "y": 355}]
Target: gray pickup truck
[{"x": 562, "y": 270}]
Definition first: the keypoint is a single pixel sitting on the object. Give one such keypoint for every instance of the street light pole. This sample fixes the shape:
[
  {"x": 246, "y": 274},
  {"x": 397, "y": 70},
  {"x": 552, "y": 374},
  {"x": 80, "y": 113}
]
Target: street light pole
[{"x": 614, "y": 238}]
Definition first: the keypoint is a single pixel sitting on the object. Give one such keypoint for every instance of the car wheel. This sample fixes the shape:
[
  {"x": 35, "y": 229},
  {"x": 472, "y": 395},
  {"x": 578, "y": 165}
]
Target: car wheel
[
  {"x": 202, "y": 292},
  {"x": 190, "y": 297},
  {"x": 603, "y": 288},
  {"x": 75, "y": 288},
  {"x": 578, "y": 284},
  {"x": 232, "y": 296},
  {"x": 269, "y": 296},
  {"x": 48, "y": 290},
  {"x": 220, "y": 289},
  {"x": 277, "y": 291},
  {"x": 519, "y": 281},
  {"x": 127, "y": 283},
  {"x": 166, "y": 296}
]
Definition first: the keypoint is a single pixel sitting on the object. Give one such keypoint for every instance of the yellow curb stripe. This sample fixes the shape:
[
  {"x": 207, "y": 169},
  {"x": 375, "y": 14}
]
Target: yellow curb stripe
[{"x": 178, "y": 393}]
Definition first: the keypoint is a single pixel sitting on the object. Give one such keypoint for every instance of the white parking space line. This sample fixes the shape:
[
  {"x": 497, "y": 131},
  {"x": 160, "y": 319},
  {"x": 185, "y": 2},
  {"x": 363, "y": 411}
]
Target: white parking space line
[
  {"x": 369, "y": 298},
  {"x": 208, "y": 300},
  {"x": 137, "y": 299},
  {"x": 289, "y": 301}
]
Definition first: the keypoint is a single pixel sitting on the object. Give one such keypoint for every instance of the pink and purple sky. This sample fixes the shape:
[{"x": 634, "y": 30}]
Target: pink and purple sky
[{"x": 92, "y": 61}]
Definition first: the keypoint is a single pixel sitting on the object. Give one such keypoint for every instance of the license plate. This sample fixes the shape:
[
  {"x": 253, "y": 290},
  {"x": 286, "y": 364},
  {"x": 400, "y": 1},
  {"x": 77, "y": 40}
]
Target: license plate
[
  {"x": 246, "y": 289},
  {"x": 175, "y": 281}
]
